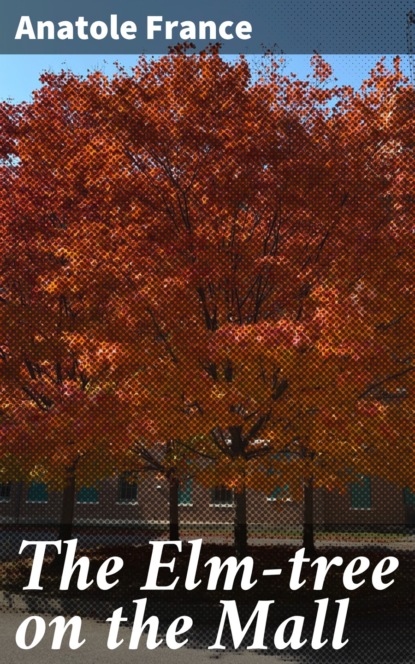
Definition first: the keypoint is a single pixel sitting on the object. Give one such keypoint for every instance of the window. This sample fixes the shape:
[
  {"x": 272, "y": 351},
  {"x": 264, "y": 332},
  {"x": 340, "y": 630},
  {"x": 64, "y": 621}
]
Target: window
[
  {"x": 5, "y": 489},
  {"x": 409, "y": 498},
  {"x": 127, "y": 489},
  {"x": 87, "y": 495},
  {"x": 361, "y": 494},
  {"x": 281, "y": 493},
  {"x": 37, "y": 493},
  {"x": 222, "y": 497},
  {"x": 185, "y": 492}
]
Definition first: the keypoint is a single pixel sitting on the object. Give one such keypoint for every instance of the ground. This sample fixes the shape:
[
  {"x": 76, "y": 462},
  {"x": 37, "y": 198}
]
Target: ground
[{"x": 379, "y": 623}]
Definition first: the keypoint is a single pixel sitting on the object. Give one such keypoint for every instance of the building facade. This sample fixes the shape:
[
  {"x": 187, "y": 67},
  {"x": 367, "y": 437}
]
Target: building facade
[{"x": 369, "y": 503}]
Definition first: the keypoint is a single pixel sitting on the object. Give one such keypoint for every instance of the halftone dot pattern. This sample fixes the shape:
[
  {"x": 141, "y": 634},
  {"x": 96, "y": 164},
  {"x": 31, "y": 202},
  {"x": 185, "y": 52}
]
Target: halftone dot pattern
[{"x": 206, "y": 333}]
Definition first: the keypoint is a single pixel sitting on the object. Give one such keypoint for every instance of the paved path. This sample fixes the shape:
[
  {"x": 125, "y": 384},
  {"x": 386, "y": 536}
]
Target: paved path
[
  {"x": 95, "y": 651},
  {"x": 377, "y": 639},
  {"x": 10, "y": 541}
]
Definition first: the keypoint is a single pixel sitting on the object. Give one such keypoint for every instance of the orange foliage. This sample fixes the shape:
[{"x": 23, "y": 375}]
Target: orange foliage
[{"x": 212, "y": 258}]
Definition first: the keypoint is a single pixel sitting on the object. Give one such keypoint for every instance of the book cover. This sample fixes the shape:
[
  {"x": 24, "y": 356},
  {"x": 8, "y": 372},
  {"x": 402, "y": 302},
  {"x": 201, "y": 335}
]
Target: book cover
[{"x": 206, "y": 338}]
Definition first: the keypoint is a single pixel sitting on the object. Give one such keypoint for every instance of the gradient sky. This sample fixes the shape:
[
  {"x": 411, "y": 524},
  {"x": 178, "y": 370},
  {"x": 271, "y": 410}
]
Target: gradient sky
[{"x": 19, "y": 74}]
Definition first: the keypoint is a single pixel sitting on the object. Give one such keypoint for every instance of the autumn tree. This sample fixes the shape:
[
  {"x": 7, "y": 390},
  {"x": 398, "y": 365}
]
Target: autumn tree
[
  {"x": 260, "y": 197},
  {"x": 238, "y": 251},
  {"x": 60, "y": 422}
]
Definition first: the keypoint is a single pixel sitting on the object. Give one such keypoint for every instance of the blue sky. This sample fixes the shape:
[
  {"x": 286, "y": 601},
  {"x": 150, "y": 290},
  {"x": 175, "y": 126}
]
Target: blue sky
[{"x": 19, "y": 74}]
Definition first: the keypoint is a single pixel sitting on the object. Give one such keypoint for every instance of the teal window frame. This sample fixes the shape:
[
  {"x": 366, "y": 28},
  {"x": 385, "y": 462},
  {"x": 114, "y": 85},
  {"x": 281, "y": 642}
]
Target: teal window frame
[
  {"x": 37, "y": 493},
  {"x": 186, "y": 493},
  {"x": 281, "y": 493},
  {"x": 87, "y": 495},
  {"x": 408, "y": 497},
  {"x": 360, "y": 493}
]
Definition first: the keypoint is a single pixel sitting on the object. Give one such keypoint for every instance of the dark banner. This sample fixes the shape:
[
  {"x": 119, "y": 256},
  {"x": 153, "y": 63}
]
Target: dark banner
[{"x": 241, "y": 26}]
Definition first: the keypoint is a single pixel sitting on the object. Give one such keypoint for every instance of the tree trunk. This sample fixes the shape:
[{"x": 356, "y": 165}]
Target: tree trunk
[
  {"x": 19, "y": 501},
  {"x": 308, "y": 525},
  {"x": 68, "y": 506},
  {"x": 174, "y": 533},
  {"x": 67, "y": 515},
  {"x": 240, "y": 525}
]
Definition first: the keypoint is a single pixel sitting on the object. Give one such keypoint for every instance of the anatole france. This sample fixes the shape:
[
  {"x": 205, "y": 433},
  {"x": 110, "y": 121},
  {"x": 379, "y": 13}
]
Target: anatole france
[{"x": 114, "y": 29}]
